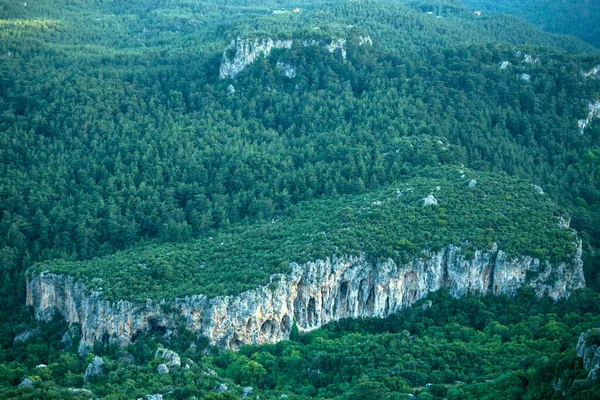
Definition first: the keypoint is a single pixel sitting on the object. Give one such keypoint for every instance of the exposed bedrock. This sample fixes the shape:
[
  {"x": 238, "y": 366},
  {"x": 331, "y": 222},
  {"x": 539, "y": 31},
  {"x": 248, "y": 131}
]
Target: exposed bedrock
[{"x": 312, "y": 294}]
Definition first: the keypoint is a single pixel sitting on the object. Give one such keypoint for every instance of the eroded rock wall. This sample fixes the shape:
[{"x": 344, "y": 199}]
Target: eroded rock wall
[
  {"x": 245, "y": 51},
  {"x": 312, "y": 294}
]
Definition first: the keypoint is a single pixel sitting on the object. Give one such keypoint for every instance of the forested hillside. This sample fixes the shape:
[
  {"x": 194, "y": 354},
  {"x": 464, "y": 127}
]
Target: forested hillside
[
  {"x": 116, "y": 133},
  {"x": 578, "y": 18}
]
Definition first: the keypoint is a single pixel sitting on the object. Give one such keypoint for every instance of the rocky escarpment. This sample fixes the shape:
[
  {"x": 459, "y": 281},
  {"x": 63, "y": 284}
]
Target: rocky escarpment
[
  {"x": 312, "y": 294},
  {"x": 243, "y": 52}
]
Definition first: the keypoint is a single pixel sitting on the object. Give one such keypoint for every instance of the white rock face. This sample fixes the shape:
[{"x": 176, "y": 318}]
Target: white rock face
[
  {"x": 594, "y": 113},
  {"x": 528, "y": 59},
  {"x": 504, "y": 65},
  {"x": 363, "y": 40},
  {"x": 537, "y": 189},
  {"x": 592, "y": 73},
  {"x": 429, "y": 201},
  {"x": 524, "y": 77},
  {"x": 246, "y": 52},
  {"x": 564, "y": 221},
  {"x": 312, "y": 294},
  {"x": 472, "y": 183},
  {"x": 337, "y": 45}
]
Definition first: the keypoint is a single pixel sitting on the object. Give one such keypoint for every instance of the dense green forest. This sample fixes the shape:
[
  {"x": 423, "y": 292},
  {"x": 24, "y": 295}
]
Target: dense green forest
[
  {"x": 497, "y": 211},
  {"x": 575, "y": 17},
  {"x": 118, "y": 137}
]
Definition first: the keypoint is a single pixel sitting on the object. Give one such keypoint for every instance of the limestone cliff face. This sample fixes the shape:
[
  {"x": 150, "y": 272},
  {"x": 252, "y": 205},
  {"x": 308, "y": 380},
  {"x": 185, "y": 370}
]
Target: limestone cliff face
[
  {"x": 312, "y": 294},
  {"x": 245, "y": 51}
]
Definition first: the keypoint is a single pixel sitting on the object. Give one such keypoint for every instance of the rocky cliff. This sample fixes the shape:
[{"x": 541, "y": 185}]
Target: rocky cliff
[
  {"x": 312, "y": 294},
  {"x": 243, "y": 52}
]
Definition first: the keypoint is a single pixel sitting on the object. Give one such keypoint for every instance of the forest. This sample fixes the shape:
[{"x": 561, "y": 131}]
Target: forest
[{"x": 118, "y": 140}]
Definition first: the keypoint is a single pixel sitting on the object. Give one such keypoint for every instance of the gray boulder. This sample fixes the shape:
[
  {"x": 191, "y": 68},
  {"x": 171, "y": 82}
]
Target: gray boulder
[
  {"x": 25, "y": 336},
  {"x": 162, "y": 369},
  {"x": 169, "y": 357},
  {"x": 154, "y": 397},
  {"x": 26, "y": 383},
  {"x": 429, "y": 201},
  {"x": 222, "y": 388},
  {"x": 93, "y": 369},
  {"x": 246, "y": 391}
]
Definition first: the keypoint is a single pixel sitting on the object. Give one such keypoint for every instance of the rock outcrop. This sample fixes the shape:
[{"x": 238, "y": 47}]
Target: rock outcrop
[
  {"x": 592, "y": 73},
  {"x": 243, "y": 52},
  {"x": 312, "y": 294},
  {"x": 25, "y": 336},
  {"x": 170, "y": 358},
  {"x": 588, "y": 348},
  {"x": 287, "y": 70},
  {"x": 162, "y": 369},
  {"x": 93, "y": 369},
  {"x": 594, "y": 112},
  {"x": 26, "y": 383},
  {"x": 337, "y": 45}
]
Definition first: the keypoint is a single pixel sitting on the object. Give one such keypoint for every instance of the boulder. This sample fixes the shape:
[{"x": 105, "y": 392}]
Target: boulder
[
  {"x": 26, "y": 383},
  {"x": 162, "y": 369},
  {"x": 222, "y": 388},
  {"x": 246, "y": 391},
  {"x": 429, "y": 201},
  {"x": 93, "y": 369},
  {"x": 169, "y": 357},
  {"x": 25, "y": 336}
]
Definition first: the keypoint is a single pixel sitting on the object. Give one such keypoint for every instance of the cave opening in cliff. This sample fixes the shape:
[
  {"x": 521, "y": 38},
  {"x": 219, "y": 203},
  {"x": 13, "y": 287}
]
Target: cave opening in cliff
[
  {"x": 286, "y": 323},
  {"x": 371, "y": 299},
  {"x": 343, "y": 289},
  {"x": 386, "y": 310},
  {"x": 267, "y": 327},
  {"x": 155, "y": 327},
  {"x": 312, "y": 312}
]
